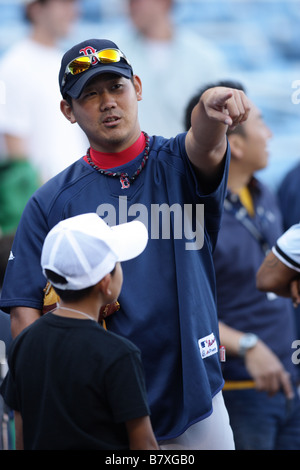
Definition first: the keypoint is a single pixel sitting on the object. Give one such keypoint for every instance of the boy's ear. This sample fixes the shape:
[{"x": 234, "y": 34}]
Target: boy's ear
[
  {"x": 104, "y": 284},
  {"x": 67, "y": 111}
]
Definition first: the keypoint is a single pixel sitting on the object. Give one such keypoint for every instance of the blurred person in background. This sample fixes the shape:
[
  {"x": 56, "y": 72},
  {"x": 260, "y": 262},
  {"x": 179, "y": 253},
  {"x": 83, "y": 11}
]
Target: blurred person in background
[
  {"x": 32, "y": 127},
  {"x": 155, "y": 46}
]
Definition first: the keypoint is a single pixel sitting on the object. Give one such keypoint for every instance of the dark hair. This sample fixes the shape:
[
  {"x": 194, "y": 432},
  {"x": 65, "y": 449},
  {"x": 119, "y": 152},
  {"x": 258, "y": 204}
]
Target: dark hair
[
  {"x": 69, "y": 295},
  {"x": 68, "y": 99},
  {"x": 194, "y": 100}
]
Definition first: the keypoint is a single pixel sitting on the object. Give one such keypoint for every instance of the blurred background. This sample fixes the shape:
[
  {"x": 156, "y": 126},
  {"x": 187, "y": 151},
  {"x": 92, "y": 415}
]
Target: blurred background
[{"x": 259, "y": 38}]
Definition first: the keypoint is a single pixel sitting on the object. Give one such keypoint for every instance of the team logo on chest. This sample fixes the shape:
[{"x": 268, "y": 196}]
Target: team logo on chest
[{"x": 125, "y": 183}]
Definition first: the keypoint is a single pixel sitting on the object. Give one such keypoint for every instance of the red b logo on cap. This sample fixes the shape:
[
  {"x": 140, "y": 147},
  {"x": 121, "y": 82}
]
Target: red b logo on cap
[{"x": 87, "y": 51}]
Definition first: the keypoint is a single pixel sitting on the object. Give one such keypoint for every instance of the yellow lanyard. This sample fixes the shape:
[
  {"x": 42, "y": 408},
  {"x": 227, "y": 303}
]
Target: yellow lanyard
[{"x": 246, "y": 200}]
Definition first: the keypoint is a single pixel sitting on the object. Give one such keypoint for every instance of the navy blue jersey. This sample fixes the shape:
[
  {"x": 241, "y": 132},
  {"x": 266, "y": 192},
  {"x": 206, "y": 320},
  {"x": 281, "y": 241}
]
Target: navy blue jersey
[{"x": 168, "y": 305}]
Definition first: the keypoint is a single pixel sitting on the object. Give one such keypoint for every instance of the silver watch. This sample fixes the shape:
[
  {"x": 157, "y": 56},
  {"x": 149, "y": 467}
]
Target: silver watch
[{"x": 247, "y": 341}]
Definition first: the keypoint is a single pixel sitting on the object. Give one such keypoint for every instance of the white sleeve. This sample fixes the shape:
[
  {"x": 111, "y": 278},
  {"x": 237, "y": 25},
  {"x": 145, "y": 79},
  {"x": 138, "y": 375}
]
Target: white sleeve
[{"x": 287, "y": 248}]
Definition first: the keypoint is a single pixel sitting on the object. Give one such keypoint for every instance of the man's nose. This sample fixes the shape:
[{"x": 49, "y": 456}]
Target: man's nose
[{"x": 107, "y": 101}]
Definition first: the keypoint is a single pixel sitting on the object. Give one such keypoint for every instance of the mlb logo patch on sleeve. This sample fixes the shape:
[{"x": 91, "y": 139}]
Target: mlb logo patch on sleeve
[{"x": 208, "y": 346}]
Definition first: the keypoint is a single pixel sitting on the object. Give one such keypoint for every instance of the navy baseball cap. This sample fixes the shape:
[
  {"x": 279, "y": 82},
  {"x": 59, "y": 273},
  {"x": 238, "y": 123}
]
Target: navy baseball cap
[{"x": 73, "y": 84}]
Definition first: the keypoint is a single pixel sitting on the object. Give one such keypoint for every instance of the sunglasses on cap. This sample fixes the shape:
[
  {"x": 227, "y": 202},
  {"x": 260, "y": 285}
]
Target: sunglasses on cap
[{"x": 83, "y": 63}]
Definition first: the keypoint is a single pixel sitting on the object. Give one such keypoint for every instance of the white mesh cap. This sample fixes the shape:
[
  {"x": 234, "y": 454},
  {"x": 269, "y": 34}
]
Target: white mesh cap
[{"x": 83, "y": 249}]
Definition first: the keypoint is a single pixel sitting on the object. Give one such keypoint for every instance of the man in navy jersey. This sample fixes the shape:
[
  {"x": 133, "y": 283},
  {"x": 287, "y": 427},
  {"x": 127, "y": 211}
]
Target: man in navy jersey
[{"x": 176, "y": 187}]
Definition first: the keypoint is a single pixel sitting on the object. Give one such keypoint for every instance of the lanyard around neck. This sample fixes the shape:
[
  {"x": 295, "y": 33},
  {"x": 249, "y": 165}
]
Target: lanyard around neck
[{"x": 242, "y": 216}]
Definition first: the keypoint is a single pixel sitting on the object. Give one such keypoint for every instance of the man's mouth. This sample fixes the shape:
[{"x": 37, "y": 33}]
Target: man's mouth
[{"x": 111, "y": 120}]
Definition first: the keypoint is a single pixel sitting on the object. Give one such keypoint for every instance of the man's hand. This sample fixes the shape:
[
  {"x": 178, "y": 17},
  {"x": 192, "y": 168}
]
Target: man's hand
[
  {"x": 206, "y": 143},
  {"x": 226, "y": 105},
  {"x": 267, "y": 371}
]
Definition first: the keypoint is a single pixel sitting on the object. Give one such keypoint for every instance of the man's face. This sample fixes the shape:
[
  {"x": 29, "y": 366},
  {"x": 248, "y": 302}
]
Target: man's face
[
  {"x": 256, "y": 139},
  {"x": 252, "y": 147},
  {"x": 107, "y": 111}
]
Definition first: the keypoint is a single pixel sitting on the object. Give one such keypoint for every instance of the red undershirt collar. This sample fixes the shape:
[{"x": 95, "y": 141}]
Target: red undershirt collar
[{"x": 112, "y": 160}]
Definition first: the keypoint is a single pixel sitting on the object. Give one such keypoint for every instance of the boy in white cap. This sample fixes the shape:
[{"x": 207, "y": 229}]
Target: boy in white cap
[{"x": 72, "y": 384}]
